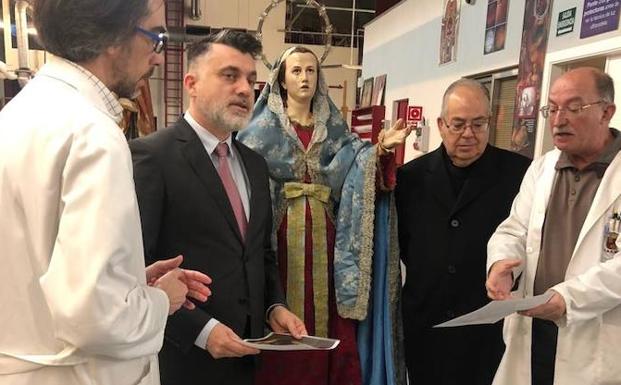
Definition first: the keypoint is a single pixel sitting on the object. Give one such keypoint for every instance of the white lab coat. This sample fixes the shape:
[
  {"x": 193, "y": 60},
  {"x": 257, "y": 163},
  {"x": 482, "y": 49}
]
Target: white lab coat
[
  {"x": 75, "y": 306},
  {"x": 589, "y": 336}
]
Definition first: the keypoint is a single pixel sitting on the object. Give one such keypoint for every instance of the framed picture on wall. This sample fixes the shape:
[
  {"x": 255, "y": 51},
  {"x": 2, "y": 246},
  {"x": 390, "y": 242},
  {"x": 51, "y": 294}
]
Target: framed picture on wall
[
  {"x": 495, "y": 26},
  {"x": 378, "y": 90},
  {"x": 450, "y": 28},
  {"x": 367, "y": 93}
]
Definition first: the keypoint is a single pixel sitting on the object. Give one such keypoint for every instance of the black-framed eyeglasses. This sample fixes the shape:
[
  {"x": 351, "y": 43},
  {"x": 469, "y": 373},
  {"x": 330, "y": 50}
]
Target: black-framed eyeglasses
[
  {"x": 573, "y": 108},
  {"x": 159, "y": 39},
  {"x": 459, "y": 126}
]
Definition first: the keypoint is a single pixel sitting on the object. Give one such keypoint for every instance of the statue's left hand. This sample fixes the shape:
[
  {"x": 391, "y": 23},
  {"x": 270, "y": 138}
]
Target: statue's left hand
[{"x": 396, "y": 134}]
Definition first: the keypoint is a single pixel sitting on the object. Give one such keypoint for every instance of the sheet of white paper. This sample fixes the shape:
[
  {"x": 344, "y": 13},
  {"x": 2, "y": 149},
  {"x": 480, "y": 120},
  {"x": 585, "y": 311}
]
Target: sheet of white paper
[{"x": 497, "y": 310}]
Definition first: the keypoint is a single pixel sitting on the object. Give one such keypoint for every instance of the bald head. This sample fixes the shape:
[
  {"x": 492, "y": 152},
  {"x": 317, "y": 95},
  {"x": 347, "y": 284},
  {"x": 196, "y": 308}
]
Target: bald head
[
  {"x": 581, "y": 104},
  {"x": 479, "y": 90},
  {"x": 466, "y": 106},
  {"x": 594, "y": 78}
]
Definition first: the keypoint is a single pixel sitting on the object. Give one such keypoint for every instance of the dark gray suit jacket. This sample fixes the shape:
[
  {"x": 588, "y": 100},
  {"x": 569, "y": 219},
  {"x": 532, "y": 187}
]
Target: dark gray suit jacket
[{"x": 184, "y": 210}]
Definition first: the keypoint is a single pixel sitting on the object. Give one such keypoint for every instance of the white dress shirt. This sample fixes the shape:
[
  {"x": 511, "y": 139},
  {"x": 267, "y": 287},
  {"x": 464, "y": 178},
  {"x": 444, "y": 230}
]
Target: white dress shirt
[{"x": 241, "y": 181}]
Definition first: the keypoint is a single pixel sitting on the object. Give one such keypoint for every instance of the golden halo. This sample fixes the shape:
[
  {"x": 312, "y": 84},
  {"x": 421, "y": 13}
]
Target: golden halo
[{"x": 321, "y": 10}]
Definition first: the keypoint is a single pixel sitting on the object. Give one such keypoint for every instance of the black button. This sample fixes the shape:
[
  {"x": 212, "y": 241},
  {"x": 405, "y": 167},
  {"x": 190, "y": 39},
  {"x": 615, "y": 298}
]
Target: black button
[
  {"x": 450, "y": 314},
  {"x": 452, "y": 269},
  {"x": 455, "y": 223},
  {"x": 243, "y": 301}
]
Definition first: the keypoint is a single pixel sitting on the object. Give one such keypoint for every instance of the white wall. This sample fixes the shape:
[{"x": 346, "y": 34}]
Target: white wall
[
  {"x": 410, "y": 35},
  {"x": 404, "y": 44}
]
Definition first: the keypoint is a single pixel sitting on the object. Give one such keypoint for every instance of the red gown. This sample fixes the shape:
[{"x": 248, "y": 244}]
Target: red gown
[{"x": 340, "y": 366}]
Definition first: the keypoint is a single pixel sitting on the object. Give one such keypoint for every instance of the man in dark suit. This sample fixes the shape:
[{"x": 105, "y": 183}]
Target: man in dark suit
[
  {"x": 206, "y": 196},
  {"x": 449, "y": 202}
]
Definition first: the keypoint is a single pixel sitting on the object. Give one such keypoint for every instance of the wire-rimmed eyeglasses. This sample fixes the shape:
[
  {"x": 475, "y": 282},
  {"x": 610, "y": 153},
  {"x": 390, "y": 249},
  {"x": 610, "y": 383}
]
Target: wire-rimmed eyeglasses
[
  {"x": 573, "y": 108},
  {"x": 459, "y": 126},
  {"x": 159, "y": 39}
]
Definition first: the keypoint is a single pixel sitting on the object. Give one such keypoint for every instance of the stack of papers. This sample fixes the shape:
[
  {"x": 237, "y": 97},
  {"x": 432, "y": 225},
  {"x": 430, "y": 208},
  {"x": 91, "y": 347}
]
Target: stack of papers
[
  {"x": 497, "y": 310},
  {"x": 284, "y": 342}
]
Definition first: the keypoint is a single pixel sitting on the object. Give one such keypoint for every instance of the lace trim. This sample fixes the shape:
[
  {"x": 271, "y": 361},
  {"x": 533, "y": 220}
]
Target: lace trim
[
  {"x": 304, "y": 127},
  {"x": 359, "y": 310}
]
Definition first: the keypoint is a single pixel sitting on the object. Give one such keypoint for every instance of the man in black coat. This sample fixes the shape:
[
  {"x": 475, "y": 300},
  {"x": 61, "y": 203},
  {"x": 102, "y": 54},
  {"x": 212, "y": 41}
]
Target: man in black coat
[
  {"x": 449, "y": 202},
  {"x": 205, "y": 195}
]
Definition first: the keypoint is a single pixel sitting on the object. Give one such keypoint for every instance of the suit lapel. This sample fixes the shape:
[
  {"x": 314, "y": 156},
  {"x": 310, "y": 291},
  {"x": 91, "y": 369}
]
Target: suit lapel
[
  {"x": 437, "y": 176},
  {"x": 194, "y": 152}
]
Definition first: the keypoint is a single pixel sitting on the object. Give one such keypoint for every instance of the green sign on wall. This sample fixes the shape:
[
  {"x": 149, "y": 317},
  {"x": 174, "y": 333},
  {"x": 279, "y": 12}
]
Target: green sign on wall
[{"x": 566, "y": 21}]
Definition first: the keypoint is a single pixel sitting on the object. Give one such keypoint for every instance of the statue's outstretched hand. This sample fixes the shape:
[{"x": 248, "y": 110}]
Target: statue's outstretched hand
[{"x": 395, "y": 135}]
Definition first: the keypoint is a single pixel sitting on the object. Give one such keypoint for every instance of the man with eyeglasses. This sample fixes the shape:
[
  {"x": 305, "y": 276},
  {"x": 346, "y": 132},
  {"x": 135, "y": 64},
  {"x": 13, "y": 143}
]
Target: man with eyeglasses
[
  {"x": 77, "y": 306},
  {"x": 159, "y": 39},
  {"x": 562, "y": 238},
  {"x": 449, "y": 202}
]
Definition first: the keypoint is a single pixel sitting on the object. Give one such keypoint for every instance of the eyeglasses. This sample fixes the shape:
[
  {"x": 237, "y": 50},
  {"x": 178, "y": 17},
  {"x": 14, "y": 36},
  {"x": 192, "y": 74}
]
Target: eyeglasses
[
  {"x": 459, "y": 126},
  {"x": 159, "y": 39},
  {"x": 573, "y": 108}
]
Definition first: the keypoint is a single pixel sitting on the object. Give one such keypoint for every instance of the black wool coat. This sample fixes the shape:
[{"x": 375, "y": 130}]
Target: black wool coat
[{"x": 443, "y": 240}]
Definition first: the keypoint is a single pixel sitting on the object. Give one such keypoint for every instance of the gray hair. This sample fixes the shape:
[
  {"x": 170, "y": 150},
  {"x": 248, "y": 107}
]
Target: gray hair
[
  {"x": 604, "y": 85},
  {"x": 80, "y": 30},
  {"x": 468, "y": 83}
]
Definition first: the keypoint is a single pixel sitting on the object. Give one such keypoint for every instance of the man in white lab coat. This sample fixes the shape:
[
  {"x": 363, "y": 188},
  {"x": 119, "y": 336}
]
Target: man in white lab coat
[
  {"x": 77, "y": 306},
  {"x": 562, "y": 236}
]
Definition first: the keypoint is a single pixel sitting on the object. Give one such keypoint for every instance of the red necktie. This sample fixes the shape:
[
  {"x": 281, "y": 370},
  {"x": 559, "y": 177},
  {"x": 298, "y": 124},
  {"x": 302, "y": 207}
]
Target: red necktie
[{"x": 222, "y": 150}]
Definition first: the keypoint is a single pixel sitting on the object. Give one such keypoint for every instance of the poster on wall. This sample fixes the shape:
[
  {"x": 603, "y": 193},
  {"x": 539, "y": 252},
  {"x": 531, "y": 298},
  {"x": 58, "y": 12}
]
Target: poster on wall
[
  {"x": 367, "y": 89},
  {"x": 532, "y": 55},
  {"x": 450, "y": 27},
  {"x": 495, "y": 26},
  {"x": 599, "y": 16}
]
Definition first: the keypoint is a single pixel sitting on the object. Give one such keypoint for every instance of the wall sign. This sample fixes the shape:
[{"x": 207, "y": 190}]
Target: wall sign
[
  {"x": 566, "y": 21},
  {"x": 415, "y": 113},
  {"x": 599, "y": 16}
]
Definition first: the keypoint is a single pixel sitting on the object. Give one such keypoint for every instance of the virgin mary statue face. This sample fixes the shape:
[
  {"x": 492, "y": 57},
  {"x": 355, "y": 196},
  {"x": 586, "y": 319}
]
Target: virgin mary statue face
[{"x": 300, "y": 76}]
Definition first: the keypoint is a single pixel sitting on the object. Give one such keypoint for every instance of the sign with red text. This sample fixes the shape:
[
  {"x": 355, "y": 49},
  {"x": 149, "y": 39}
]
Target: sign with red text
[{"x": 415, "y": 113}]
